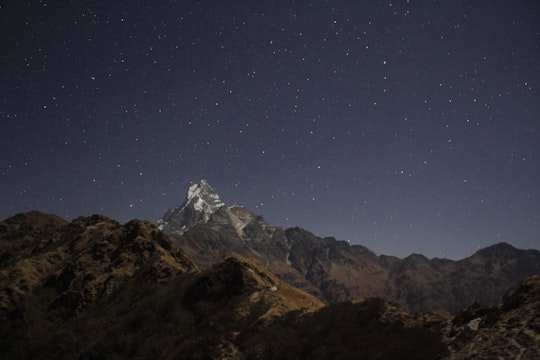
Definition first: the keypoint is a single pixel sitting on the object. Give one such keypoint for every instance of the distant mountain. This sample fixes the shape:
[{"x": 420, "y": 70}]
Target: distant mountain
[
  {"x": 96, "y": 289},
  {"x": 200, "y": 203},
  {"x": 335, "y": 271}
]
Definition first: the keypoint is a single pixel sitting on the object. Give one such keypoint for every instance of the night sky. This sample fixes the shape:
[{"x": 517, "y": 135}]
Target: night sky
[{"x": 404, "y": 126}]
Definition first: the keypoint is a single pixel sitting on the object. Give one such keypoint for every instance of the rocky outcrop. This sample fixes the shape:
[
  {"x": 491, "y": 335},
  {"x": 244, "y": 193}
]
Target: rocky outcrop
[{"x": 510, "y": 330}]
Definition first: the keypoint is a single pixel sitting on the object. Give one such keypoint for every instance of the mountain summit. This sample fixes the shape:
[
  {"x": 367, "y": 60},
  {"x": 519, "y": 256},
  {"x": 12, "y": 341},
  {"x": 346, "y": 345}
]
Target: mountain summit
[
  {"x": 208, "y": 232},
  {"x": 200, "y": 203}
]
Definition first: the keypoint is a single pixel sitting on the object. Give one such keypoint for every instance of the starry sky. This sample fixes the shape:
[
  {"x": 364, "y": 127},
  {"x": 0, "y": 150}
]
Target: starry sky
[{"x": 407, "y": 126}]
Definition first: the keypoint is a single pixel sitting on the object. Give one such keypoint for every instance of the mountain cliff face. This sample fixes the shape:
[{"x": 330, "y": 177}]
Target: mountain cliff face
[
  {"x": 201, "y": 202},
  {"x": 335, "y": 271},
  {"x": 96, "y": 289}
]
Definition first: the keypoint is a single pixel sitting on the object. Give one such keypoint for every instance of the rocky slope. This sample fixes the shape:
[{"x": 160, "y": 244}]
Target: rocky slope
[
  {"x": 81, "y": 261},
  {"x": 510, "y": 330},
  {"x": 375, "y": 329},
  {"x": 335, "y": 271},
  {"x": 96, "y": 289}
]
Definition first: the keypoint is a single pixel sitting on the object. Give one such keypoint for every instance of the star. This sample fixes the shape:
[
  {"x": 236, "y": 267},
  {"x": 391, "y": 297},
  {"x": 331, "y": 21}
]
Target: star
[{"x": 351, "y": 120}]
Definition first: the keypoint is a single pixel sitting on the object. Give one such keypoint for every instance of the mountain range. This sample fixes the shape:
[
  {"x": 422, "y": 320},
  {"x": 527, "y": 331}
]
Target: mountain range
[
  {"x": 211, "y": 281},
  {"x": 334, "y": 270}
]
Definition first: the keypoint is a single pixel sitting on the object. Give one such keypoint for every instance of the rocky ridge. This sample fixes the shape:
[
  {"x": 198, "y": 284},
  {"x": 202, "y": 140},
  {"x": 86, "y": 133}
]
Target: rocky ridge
[
  {"x": 510, "y": 330},
  {"x": 336, "y": 271},
  {"x": 81, "y": 261},
  {"x": 99, "y": 289},
  {"x": 94, "y": 288}
]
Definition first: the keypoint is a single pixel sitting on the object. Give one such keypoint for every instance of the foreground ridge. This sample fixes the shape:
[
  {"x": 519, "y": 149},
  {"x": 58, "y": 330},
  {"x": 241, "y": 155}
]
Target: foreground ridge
[{"x": 94, "y": 288}]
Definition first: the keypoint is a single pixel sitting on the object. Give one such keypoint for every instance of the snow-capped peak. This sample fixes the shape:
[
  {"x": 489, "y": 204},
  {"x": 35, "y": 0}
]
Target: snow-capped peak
[
  {"x": 203, "y": 197},
  {"x": 200, "y": 203}
]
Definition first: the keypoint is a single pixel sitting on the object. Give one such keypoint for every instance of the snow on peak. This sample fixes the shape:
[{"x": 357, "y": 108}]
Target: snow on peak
[
  {"x": 200, "y": 203},
  {"x": 203, "y": 197}
]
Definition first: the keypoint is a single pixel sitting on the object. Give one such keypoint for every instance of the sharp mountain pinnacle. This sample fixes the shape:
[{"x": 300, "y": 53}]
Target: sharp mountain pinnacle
[{"x": 200, "y": 203}]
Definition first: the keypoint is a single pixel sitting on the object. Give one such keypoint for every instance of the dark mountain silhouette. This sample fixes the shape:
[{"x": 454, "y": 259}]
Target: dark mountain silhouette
[{"x": 96, "y": 289}]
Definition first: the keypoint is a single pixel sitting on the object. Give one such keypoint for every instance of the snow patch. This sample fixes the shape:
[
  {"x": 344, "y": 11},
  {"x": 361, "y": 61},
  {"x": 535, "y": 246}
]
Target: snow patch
[{"x": 203, "y": 198}]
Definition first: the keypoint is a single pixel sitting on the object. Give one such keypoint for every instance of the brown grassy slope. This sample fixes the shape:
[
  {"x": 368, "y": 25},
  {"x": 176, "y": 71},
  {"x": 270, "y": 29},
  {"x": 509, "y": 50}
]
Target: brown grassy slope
[
  {"x": 334, "y": 271},
  {"x": 96, "y": 289},
  {"x": 107, "y": 290},
  {"x": 25, "y": 259},
  {"x": 53, "y": 270},
  {"x": 83, "y": 260},
  {"x": 367, "y": 329},
  {"x": 193, "y": 315},
  {"x": 211, "y": 243}
]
